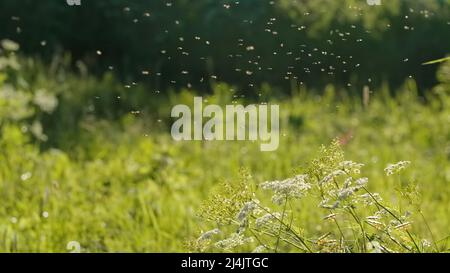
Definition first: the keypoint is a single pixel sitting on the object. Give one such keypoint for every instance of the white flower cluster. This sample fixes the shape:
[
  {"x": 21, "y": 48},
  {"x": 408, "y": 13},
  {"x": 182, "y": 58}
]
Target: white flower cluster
[
  {"x": 259, "y": 249},
  {"x": 266, "y": 218},
  {"x": 345, "y": 168},
  {"x": 336, "y": 196},
  {"x": 331, "y": 176},
  {"x": 351, "y": 167},
  {"x": 367, "y": 199},
  {"x": 396, "y": 168},
  {"x": 246, "y": 210},
  {"x": 425, "y": 243},
  {"x": 292, "y": 187},
  {"x": 348, "y": 190},
  {"x": 374, "y": 2},
  {"x": 362, "y": 182},
  {"x": 235, "y": 240},
  {"x": 325, "y": 204},
  {"x": 208, "y": 234},
  {"x": 374, "y": 220},
  {"x": 374, "y": 247},
  {"x": 345, "y": 193}
]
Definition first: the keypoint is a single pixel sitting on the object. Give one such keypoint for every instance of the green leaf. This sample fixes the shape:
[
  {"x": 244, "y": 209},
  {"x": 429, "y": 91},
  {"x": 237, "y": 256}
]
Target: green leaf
[{"x": 437, "y": 61}]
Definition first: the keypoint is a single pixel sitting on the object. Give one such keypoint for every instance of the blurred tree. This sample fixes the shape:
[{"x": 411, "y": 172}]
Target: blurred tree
[{"x": 191, "y": 43}]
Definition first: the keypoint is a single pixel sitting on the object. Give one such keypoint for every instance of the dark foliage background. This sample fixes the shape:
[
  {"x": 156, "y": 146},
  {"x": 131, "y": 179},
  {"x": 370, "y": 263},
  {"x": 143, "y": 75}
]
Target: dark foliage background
[{"x": 378, "y": 43}]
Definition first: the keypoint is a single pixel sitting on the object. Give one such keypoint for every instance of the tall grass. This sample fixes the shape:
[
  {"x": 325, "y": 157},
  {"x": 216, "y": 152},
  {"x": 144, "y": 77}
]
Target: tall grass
[
  {"x": 354, "y": 219},
  {"x": 73, "y": 169}
]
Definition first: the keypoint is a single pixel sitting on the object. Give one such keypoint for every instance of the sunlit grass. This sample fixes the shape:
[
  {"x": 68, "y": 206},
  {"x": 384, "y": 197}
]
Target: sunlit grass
[{"x": 120, "y": 183}]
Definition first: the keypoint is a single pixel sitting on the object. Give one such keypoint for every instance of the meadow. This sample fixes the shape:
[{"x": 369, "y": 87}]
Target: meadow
[{"x": 93, "y": 169}]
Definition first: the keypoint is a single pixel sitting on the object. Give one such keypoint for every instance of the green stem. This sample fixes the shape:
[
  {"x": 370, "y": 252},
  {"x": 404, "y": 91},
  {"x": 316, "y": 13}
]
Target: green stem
[
  {"x": 298, "y": 237},
  {"x": 395, "y": 216},
  {"x": 429, "y": 230},
  {"x": 281, "y": 225},
  {"x": 353, "y": 213}
]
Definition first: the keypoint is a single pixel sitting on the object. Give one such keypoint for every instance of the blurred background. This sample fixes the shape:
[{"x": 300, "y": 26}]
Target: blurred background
[
  {"x": 314, "y": 42},
  {"x": 86, "y": 92}
]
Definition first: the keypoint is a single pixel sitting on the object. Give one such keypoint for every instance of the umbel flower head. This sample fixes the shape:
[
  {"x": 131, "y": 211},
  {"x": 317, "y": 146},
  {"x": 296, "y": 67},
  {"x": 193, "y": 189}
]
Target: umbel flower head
[
  {"x": 396, "y": 168},
  {"x": 208, "y": 234},
  {"x": 266, "y": 219},
  {"x": 332, "y": 175},
  {"x": 247, "y": 210},
  {"x": 259, "y": 249},
  {"x": 294, "y": 187},
  {"x": 234, "y": 241},
  {"x": 351, "y": 167}
]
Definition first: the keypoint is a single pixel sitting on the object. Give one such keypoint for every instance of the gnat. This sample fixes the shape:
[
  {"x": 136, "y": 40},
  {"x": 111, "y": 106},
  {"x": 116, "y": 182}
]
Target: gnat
[{"x": 236, "y": 122}]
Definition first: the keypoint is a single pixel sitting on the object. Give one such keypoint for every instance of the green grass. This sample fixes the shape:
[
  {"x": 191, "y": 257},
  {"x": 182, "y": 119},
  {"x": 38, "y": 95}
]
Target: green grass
[{"x": 120, "y": 183}]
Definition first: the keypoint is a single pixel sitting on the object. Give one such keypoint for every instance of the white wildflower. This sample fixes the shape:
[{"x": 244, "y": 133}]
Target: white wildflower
[
  {"x": 278, "y": 199},
  {"x": 394, "y": 222},
  {"x": 246, "y": 210},
  {"x": 324, "y": 202},
  {"x": 373, "y": 217},
  {"x": 330, "y": 216},
  {"x": 259, "y": 249},
  {"x": 9, "y": 45},
  {"x": 374, "y": 247},
  {"x": 368, "y": 199},
  {"x": 361, "y": 182},
  {"x": 381, "y": 213},
  {"x": 46, "y": 101},
  {"x": 348, "y": 182},
  {"x": 266, "y": 218},
  {"x": 346, "y": 192},
  {"x": 396, "y": 168},
  {"x": 234, "y": 241},
  {"x": 335, "y": 205},
  {"x": 208, "y": 234},
  {"x": 377, "y": 224},
  {"x": 331, "y": 176},
  {"x": 294, "y": 187},
  {"x": 351, "y": 167},
  {"x": 426, "y": 243},
  {"x": 403, "y": 226}
]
